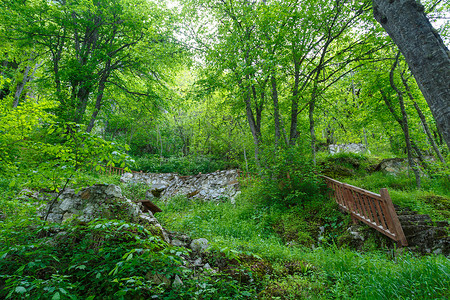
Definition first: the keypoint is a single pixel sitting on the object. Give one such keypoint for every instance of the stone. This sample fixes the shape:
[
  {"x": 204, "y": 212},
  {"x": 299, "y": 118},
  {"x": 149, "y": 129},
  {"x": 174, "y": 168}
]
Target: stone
[
  {"x": 157, "y": 278},
  {"x": 114, "y": 191},
  {"x": 216, "y": 186},
  {"x": 67, "y": 204},
  {"x": 126, "y": 177},
  {"x": 27, "y": 194},
  {"x": 177, "y": 281},
  {"x": 177, "y": 243},
  {"x": 198, "y": 262},
  {"x": 353, "y": 231},
  {"x": 199, "y": 245},
  {"x": 350, "y": 148},
  {"x": 66, "y": 217}
]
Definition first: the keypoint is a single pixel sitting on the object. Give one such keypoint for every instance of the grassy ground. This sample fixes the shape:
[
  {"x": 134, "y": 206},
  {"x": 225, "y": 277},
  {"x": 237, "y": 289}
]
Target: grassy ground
[
  {"x": 268, "y": 245},
  {"x": 308, "y": 270}
]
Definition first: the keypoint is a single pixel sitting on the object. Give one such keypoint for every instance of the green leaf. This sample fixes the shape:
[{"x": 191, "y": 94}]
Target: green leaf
[
  {"x": 20, "y": 289},
  {"x": 12, "y": 183},
  {"x": 56, "y": 296}
]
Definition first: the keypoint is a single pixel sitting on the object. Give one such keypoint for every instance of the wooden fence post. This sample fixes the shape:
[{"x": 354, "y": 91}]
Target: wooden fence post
[{"x": 391, "y": 210}]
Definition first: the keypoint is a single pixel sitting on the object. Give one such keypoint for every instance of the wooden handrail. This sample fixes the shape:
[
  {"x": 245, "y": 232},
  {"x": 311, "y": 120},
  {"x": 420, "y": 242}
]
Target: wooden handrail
[
  {"x": 110, "y": 170},
  {"x": 375, "y": 210}
]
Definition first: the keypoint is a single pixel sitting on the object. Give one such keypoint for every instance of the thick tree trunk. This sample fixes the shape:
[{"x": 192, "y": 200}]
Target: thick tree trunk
[{"x": 424, "y": 51}]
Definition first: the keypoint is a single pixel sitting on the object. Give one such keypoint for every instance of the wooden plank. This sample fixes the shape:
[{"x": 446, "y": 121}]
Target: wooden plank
[
  {"x": 397, "y": 226},
  {"x": 149, "y": 206},
  {"x": 366, "y": 206},
  {"x": 380, "y": 211},
  {"x": 389, "y": 222},
  {"x": 375, "y": 210},
  {"x": 382, "y": 230}
]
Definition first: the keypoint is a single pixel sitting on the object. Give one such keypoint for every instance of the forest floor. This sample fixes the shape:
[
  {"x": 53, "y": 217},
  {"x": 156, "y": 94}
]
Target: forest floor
[{"x": 256, "y": 249}]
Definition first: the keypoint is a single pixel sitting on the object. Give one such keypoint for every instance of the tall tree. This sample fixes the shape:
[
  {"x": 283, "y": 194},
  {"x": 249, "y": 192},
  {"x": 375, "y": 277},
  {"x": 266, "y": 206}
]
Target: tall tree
[
  {"x": 424, "y": 51},
  {"x": 91, "y": 45}
]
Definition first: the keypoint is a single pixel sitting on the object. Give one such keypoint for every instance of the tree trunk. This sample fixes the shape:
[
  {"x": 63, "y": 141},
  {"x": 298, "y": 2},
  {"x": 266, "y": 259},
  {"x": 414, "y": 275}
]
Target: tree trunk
[
  {"x": 311, "y": 129},
  {"x": 276, "y": 111},
  {"x": 423, "y": 120},
  {"x": 294, "y": 106},
  {"x": 100, "y": 92},
  {"x": 404, "y": 123},
  {"x": 424, "y": 51},
  {"x": 20, "y": 86}
]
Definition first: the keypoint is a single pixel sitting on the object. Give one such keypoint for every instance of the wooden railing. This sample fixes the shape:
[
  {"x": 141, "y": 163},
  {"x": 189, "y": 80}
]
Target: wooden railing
[
  {"x": 109, "y": 170},
  {"x": 375, "y": 210}
]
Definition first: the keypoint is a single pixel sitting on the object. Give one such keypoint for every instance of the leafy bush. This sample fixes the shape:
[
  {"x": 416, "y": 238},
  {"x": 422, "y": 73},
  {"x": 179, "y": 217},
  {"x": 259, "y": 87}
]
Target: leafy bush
[
  {"x": 185, "y": 165},
  {"x": 289, "y": 179},
  {"x": 343, "y": 164},
  {"x": 102, "y": 258}
]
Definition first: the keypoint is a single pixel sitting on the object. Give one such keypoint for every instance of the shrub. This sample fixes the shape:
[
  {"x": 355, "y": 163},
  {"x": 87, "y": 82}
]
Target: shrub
[
  {"x": 290, "y": 179},
  {"x": 185, "y": 165}
]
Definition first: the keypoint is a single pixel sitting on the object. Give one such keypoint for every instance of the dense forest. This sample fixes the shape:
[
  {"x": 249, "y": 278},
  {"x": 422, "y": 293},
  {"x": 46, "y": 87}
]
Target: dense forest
[{"x": 195, "y": 86}]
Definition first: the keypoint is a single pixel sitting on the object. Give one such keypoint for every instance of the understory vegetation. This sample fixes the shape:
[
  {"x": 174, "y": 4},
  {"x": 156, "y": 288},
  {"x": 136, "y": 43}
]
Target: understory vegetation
[
  {"x": 283, "y": 238},
  {"x": 285, "y": 91}
]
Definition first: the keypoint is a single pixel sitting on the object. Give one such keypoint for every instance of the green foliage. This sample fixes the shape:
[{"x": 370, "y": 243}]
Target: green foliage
[
  {"x": 399, "y": 277},
  {"x": 17, "y": 128},
  {"x": 343, "y": 164},
  {"x": 185, "y": 165},
  {"x": 289, "y": 179},
  {"x": 431, "y": 199},
  {"x": 103, "y": 258},
  {"x": 327, "y": 272},
  {"x": 57, "y": 152}
]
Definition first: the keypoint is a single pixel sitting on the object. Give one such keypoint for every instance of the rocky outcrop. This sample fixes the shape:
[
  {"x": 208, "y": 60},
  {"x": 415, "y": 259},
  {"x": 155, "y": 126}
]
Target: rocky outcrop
[
  {"x": 213, "y": 186},
  {"x": 98, "y": 201},
  {"x": 424, "y": 235},
  {"x": 351, "y": 148},
  {"x": 398, "y": 165}
]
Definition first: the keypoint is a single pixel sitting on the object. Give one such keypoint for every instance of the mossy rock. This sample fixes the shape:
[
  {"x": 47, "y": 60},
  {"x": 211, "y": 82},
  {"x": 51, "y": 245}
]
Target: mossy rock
[
  {"x": 338, "y": 171},
  {"x": 439, "y": 202}
]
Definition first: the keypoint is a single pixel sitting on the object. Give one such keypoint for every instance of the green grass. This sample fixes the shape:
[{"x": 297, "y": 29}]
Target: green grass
[
  {"x": 433, "y": 199},
  {"x": 270, "y": 249},
  {"x": 336, "y": 273}
]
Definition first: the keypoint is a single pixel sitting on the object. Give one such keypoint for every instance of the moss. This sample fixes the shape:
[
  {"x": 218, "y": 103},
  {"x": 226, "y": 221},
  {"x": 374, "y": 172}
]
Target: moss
[
  {"x": 440, "y": 203},
  {"x": 293, "y": 287}
]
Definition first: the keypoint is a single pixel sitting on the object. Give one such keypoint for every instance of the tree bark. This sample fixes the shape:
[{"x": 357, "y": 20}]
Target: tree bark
[
  {"x": 294, "y": 107},
  {"x": 276, "y": 111},
  {"x": 100, "y": 92},
  {"x": 424, "y": 51},
  {"x": 423, "y": 120},
  {"x": 404, "y": 123},
  {"x": 21, "y": 86}
]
